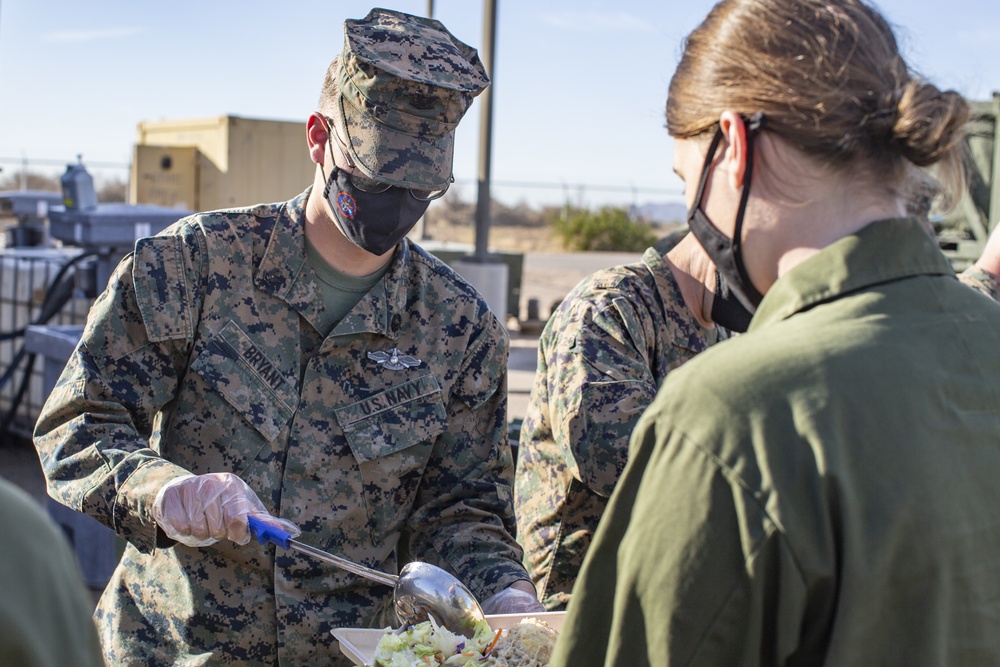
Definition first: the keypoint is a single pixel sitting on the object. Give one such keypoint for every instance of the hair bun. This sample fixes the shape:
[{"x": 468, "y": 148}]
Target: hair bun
[{"x": 929, "y": 122}]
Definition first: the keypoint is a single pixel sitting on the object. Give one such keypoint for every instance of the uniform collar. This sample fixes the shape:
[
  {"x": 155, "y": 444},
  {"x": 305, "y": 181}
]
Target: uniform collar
[
  {"x": 285, "y": 274},
  {"x": 881, "y": 252},
  {"x": 283, "y": 265},
  {"x": 684, "y": 332},
  {"x": 381, "y": 310}
]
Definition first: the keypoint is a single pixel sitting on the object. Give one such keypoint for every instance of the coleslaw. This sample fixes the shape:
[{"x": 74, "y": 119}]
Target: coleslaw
[{"x": 427, "y": 644}]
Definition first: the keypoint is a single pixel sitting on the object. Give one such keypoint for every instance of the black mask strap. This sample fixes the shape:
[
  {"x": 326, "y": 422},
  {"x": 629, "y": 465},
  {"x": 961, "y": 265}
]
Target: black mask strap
[
  {"x": 706, "y": 170},
  {"x": 726, "y": 252},
  {"x": 754, "y": 125}
]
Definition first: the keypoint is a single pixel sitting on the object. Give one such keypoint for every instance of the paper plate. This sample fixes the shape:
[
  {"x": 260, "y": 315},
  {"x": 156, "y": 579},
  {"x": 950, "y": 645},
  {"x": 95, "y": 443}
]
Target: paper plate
[
  {"x": 359, "y": 644},
  {"x": 503, "y": 621}
]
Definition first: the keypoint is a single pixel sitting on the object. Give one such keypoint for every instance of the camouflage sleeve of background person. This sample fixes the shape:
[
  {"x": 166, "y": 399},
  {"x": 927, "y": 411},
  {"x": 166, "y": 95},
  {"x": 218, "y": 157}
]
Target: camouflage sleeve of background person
[
  {"x": 601, "y": 359},
  {"x": 464, "y": 509},
  {"x": 981, "y": 281},
  {"x": 93, "y": 433},
  {"x": 598, "y": 378},
  {"x": 594, "y": 379},
  {"x": 984, "y": 275}
]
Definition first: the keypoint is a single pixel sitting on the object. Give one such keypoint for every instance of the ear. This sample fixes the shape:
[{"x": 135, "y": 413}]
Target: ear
[
  {"x": 317, "y": 135},
  {"x": 734, "y": 131}
]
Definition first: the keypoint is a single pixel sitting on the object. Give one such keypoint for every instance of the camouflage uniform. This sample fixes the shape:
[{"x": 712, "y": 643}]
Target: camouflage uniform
[
  {"x": 200, "y": 356},
  {"x": 601, "y": 358}
]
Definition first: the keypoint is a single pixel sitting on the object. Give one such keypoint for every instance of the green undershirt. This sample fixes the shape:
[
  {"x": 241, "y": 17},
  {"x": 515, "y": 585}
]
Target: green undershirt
[{"x": 339, "y": 292}]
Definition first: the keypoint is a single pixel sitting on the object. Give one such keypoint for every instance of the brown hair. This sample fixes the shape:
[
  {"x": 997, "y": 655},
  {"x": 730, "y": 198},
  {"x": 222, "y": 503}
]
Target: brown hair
[
  {"x": 329, "y": 94},
  {"x": 830, "y": 80}
]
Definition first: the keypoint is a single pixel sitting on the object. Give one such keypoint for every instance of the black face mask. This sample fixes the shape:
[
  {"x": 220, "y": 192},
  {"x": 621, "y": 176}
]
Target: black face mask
[
  {"x": 727, "y": 310},
  {"x": 375, "y": 222},
  {"x": 736, "y": 298}
]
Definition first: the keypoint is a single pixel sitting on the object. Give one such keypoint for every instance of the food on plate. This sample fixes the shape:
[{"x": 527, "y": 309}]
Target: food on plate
[
  {"x": 428, "y": 643},
  {"x": 527, "y": 644}
]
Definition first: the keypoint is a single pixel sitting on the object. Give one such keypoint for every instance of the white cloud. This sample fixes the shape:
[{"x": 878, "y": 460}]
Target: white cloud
[
  {"x": 594, "y": 21},
  {"x": 90, "y": 35}
]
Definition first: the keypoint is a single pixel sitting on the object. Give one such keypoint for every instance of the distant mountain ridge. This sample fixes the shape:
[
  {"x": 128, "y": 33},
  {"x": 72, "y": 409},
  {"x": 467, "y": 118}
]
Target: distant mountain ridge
[{"x": 661, "y": 213}]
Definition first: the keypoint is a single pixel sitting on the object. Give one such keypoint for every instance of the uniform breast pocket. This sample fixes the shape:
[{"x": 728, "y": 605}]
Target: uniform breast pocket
[
  {"x": 247, "y": 399},
  {"x": 391, "y": 435}
]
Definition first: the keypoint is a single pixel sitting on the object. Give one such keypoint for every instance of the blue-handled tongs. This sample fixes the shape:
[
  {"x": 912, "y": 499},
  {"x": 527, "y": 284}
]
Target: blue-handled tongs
[{"x": 265, "y": 532}]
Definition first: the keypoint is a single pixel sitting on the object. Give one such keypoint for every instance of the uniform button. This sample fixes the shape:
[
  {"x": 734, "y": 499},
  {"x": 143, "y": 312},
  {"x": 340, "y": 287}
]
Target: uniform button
[{"x": 397, "y": 321}]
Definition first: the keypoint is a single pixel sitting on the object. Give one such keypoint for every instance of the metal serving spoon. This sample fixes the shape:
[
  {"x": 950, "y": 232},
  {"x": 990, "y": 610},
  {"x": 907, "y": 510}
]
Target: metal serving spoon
[{"x": 420, "y": 591}]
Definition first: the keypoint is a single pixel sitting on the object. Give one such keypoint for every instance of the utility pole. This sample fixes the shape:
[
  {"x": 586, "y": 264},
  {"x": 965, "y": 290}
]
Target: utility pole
[
  {"x": 487, "y": 273},
  {"x": 486, "y": 132}
]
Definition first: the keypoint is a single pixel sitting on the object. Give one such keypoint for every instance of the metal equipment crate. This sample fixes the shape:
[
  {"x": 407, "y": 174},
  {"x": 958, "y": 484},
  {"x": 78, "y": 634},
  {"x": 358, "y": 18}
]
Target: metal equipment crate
[
  {"x": 962, "y": 231},
  {"x": 26, "y": 275}
]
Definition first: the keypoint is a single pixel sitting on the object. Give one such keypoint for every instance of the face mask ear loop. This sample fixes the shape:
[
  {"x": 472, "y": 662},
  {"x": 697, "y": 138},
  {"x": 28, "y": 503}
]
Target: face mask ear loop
[
  {"x": 329, "y": 181},
  {"x": 706, "y": 167},
  {"x": 333, "y": 174},
  {"x": 754, "y": 125},
  {"x": 707, "y": 234}
]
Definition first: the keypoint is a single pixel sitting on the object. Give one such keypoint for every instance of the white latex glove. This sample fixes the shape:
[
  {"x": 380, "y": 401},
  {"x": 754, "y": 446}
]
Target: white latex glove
[
  {"x": 199, "y": 510},
  {"x": 512, "y": 601}
]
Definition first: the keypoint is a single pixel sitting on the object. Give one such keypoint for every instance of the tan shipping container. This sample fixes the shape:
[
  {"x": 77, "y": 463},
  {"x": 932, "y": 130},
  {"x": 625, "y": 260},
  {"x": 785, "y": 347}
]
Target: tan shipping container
[{"x": 221, "y": 162}]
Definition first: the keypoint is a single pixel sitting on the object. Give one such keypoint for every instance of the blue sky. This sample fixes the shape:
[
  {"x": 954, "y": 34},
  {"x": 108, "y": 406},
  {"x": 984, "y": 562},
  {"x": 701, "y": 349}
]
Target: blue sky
[{"x": 579, "y": 85}]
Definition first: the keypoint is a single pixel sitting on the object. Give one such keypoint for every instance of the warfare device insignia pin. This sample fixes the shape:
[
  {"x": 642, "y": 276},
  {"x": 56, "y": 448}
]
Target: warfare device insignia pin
[{"x": 393, "y": 360}]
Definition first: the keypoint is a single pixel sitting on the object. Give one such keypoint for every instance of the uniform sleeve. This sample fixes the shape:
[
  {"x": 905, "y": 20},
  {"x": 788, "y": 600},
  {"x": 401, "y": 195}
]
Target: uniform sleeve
[
  {"x": 599, "y": 381},
  {"x": 981, "y": 281},
  {"x": 464, "y": 512},
  {"x": 686, "y": 569},
  {"x": 93, "y": 433}
]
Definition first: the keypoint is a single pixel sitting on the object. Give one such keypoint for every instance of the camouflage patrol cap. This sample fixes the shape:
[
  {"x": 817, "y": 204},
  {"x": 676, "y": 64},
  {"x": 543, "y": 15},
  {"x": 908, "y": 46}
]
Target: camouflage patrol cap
[{"x": 405, "y": 81}]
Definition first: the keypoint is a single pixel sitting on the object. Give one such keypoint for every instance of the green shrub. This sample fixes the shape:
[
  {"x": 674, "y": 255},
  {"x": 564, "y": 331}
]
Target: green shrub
[{"x": 608, "y": 229}]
